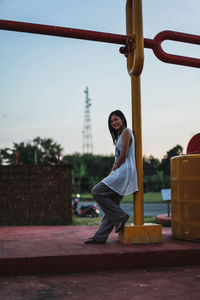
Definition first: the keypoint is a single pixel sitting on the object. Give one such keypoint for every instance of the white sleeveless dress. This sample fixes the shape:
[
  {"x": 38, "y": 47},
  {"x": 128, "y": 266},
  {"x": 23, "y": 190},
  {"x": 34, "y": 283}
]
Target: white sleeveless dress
[{"x": 123, "y": 180}]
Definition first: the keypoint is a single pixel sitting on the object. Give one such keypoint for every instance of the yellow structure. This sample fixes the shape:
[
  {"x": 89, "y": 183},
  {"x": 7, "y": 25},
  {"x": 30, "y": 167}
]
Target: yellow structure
[
  {"x": 185, "y": 197},
  {"x": 134, "y": 32},
  {"x": 141, "y": 234},
  {"x": 137, "y": 233}
]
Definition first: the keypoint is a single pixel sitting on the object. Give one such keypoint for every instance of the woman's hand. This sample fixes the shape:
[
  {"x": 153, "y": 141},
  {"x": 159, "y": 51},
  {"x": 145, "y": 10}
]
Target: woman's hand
[{"x": 114, "y": 167}]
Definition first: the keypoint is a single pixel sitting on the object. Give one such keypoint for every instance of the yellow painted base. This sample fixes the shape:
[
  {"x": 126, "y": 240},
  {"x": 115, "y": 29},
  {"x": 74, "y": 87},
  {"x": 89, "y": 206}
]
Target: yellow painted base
[{"x": 141, "y": 234}]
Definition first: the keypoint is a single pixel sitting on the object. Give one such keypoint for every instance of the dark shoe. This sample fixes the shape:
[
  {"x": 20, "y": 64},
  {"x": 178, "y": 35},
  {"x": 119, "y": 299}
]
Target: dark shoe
[
  {"x": 93, "y": 241},
  {"x": 120, "y": 227}
]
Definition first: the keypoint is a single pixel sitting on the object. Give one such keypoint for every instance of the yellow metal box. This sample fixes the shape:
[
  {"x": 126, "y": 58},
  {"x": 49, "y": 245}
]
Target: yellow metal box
[{"x": 185, "y": 197}]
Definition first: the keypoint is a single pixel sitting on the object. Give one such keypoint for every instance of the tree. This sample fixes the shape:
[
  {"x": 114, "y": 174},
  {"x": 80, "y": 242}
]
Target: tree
[
  {"x": 78, "y": 170},
  {"x": 39, "y": 151},
  {"x": 150, "y": 175},
  {"x": 87, "y": 170},
  {"x": 150, "y": 165},
  {"x": 165, "y": 162},
  {"x": 48, "y": 150}
]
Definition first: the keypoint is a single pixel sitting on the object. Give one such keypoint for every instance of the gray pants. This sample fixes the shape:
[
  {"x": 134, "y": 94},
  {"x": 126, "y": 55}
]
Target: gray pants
[{"x": 109, "y": 202}]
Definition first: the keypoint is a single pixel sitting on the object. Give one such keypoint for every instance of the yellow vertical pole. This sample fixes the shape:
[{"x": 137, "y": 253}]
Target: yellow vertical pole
[
  {"x": 137, "y": 233},
  {"x": 136, "y": 106},
  {"x": 137, "y": 129},
  {"x": 135, "y": 61}
]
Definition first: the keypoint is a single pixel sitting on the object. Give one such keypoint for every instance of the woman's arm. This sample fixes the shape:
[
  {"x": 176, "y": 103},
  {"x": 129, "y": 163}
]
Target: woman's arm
[{"x": 126, "y": 141}]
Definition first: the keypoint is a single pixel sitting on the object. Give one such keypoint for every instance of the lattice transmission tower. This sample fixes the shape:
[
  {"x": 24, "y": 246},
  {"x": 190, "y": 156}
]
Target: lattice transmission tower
[{"x": 87, "y": 128}]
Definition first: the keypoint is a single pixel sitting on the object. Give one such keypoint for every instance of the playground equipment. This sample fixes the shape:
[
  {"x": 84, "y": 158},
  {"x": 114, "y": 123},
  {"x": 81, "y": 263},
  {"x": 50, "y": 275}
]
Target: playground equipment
[
  {"x": 185, "y": 187},
  {"x": 133, "y": 49},
  {"x": 194, "y": 145}
]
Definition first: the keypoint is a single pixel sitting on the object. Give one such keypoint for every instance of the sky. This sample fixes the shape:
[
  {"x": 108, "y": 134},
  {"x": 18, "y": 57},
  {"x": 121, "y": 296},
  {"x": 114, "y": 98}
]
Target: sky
[{"x": 43, "y": 78}]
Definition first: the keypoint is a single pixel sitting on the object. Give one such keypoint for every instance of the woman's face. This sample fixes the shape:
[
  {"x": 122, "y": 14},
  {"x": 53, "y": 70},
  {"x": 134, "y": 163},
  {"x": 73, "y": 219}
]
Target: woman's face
[{"x": 116, "y": 122}]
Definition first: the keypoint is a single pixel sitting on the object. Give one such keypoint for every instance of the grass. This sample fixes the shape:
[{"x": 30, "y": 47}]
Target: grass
[
  {"x": 77, "y": 221},
  {"x": 155, "y": 197}
]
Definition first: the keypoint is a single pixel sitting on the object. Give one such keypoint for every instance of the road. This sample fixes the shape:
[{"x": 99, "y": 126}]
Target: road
[{"x": 149, "y": 209}]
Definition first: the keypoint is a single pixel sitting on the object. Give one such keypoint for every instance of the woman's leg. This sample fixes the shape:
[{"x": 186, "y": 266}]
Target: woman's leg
[
  {"x": 104, "y": 230},
  {"x": 109, "y": 202}
]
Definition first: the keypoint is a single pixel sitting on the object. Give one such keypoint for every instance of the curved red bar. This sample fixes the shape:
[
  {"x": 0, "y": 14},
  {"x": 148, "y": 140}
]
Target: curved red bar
[{"x": 171, "y": 58}]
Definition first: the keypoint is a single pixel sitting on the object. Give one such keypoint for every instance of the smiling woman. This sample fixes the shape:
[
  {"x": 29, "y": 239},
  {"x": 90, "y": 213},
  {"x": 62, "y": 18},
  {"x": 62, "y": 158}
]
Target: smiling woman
[{"x": 122, "y": 180}]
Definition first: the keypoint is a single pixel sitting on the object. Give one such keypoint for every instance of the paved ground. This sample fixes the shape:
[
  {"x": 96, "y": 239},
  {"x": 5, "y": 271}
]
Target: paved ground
[
  {"x": 180, "y": 283},
  {"x": 45, "y": 249},
  {"x": 60, "y": 251}
]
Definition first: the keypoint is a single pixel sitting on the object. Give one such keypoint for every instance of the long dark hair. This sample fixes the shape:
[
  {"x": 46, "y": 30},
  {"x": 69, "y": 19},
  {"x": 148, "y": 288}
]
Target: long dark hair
[{"x": 115, "y": 133}]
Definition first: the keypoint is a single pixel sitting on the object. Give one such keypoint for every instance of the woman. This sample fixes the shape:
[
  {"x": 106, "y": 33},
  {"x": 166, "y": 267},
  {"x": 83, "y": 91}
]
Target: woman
[{"x": 121, "y": 181}]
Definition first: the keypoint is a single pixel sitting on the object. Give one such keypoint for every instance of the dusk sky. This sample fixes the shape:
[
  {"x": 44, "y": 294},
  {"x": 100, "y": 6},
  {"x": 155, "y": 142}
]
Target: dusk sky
[{"x": 43, "y": 78}]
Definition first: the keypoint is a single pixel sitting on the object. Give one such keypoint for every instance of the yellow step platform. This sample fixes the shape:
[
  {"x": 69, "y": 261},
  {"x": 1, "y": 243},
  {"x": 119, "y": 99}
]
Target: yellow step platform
[{"x": 148, "y": 233}]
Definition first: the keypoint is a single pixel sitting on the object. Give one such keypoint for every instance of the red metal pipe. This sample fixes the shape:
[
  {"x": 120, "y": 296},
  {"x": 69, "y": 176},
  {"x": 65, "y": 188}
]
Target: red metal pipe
[
  {"x": 63, "y": 32},
  {"x": 148, "y": 43},
  {"x": 154, "y": 44}
]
